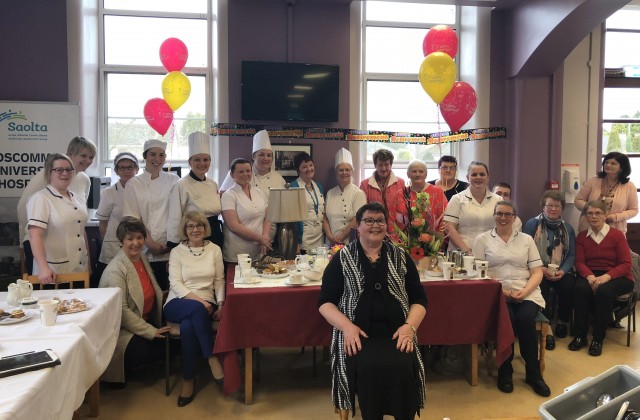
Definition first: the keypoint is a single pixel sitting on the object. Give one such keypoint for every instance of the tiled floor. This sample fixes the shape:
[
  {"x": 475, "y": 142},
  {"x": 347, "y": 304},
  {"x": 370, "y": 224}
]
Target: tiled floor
[{"x": 288, "y": 390}]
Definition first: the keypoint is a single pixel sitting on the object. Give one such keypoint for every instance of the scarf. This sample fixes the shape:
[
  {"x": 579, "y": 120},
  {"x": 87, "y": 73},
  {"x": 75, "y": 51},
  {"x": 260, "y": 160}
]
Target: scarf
[{"x": 556, "y": 250}]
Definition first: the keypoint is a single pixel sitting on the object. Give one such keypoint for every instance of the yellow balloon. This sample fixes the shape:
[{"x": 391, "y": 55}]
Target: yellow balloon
[
  {"x": 176, "y": 89},
  {"x": 437, "y": 75}
]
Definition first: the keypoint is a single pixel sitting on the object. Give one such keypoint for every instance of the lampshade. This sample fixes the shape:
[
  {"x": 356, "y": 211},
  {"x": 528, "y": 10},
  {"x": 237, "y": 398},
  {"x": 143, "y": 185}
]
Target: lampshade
[{"x": 287, "y": 205}]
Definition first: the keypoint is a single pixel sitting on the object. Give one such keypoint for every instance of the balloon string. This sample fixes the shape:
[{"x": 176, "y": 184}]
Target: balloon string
[
  {"x": 172, "y": 131},
  {"x": 439, "y": 129}
]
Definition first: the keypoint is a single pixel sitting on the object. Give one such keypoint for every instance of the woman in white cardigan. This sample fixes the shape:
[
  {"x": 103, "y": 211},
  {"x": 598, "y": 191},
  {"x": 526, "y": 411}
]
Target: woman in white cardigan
[{"x": 140, "y": 335}]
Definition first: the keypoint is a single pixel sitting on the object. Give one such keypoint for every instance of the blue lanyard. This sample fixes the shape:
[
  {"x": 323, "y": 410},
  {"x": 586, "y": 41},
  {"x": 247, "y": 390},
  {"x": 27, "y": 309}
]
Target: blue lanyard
[{"x": 315, "y": 200}]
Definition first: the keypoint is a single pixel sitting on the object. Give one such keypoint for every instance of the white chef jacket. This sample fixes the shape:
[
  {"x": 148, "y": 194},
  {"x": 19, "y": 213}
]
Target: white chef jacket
[
  {"x": 471, "y": 217},
  {"x": 64, "y": 220},
  {"x": 80, "y": 186},
  {"x": 148, "y": 200},
  {"x": 509, "y": 263},
  {"x": 312, "y": 233},
  {"x": 251, "y": 213},
  {"x": 110, "y": 209},
  {"x": 190, "y": 194},
  {"x": 341, "y": 207}
]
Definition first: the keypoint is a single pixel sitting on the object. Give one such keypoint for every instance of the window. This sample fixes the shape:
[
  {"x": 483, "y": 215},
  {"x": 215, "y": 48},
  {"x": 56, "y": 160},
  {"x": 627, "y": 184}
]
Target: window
[
  {"x": 131, "y": 72},
  {"x": 620, "y": 108},
  {"x": 394, "y": 100}
]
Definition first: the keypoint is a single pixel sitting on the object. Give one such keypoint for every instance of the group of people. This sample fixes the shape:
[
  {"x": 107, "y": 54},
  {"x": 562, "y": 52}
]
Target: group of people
[{"x": 162, "y": 233}]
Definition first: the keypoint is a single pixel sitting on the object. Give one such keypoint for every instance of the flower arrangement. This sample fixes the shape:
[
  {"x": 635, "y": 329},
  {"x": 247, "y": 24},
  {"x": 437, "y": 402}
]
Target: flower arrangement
[
  {"x": 418, "y": 234},
  {"x": 335, "y": 249}
]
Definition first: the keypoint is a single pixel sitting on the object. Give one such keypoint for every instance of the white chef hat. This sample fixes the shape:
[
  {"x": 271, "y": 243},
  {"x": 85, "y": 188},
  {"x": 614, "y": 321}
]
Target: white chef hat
[
  {"x": 261, "y": 141},
  {"x": 198, "y": 143},
  {"x": 125, "y": 155},
  {"x": 154, "y": 143},
  {"x": 343, "y": 156}
]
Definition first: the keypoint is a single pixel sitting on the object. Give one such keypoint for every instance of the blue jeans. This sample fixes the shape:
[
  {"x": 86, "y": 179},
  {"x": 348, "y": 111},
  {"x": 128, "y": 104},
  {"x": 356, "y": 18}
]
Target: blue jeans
[{"x": 196, "y": 334}]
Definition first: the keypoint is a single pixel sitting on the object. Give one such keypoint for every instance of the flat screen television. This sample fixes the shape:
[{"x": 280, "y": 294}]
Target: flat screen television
[{"x": 289, "y": 91}]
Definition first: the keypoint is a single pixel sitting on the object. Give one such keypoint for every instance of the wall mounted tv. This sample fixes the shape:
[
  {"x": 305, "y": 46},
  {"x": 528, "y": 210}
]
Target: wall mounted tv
[{"x": 289, "y": 91}]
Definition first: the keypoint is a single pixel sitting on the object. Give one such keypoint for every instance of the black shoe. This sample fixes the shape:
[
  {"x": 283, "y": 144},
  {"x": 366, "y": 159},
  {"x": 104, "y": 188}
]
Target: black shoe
[
  {"x": 615, "y": 324},
  {"x": 561, "y": 331},
  {"x": 113, "y": 385},
  {"x": 505, "y": 384},
  {"x": 539, "y": 386},
  {"x": 182, "y": 401},
  {"x": 577, "y": 343},
  {"x": 219, "y": 381},
  {"x": 551, "y": 343},
  {"x": 595, "y": 349}
]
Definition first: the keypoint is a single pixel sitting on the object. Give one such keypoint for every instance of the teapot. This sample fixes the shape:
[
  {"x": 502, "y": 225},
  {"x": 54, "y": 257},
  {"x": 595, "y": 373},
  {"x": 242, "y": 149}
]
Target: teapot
[
  {"x": 13, "y": 295},
  {"x": 25, "y": 288},
  {"x": 302, "y": 262}
]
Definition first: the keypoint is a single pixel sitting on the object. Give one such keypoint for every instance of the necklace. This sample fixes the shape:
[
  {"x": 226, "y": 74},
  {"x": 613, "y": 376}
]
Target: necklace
[
  {"x": 195, "y": 253},
  {"x": 377, "y": 257}
]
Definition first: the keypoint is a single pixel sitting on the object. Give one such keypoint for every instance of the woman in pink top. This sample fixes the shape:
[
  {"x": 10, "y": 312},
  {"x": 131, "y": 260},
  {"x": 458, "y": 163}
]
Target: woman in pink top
[{"x": 613, "y": 188}]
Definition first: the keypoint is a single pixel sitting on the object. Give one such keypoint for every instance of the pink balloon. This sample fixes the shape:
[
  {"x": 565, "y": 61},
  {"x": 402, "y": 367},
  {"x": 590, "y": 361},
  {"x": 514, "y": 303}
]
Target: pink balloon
[
  {"x": 440, "y": 38},
  {"x": 459, "y": 105},
  {"x": 158, "y": 115},
  {"x": 173, "y": 54}
]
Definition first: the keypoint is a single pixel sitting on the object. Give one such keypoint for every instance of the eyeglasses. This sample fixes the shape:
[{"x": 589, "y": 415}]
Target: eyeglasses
[
  {"x": 552, "y": 206},
  {"x": 594, "y": 214},
  {"x": 60, "y": 171},
  {"x": 125, "y": 168},
  {"x": 448, "y": 168},
  {"x": 370, "y": 222},
  {"x": 193, "y": 227},
  {"x": 501, "y": 214}
]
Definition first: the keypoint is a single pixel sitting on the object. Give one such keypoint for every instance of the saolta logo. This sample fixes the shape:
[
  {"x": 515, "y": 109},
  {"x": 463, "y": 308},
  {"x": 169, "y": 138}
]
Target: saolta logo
[{"x": 18, "y": 126}]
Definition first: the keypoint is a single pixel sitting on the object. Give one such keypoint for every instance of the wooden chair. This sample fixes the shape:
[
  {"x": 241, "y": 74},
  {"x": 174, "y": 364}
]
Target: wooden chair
[
  {"x": 73, "y": 280},
  {"x": 70, "y": 279},
  {"x": 626, "y": 304}
]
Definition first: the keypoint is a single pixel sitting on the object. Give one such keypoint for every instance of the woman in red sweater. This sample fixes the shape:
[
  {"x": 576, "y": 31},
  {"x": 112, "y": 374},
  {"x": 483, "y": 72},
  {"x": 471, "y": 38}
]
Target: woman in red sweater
[{"x": 603, "y": 264}]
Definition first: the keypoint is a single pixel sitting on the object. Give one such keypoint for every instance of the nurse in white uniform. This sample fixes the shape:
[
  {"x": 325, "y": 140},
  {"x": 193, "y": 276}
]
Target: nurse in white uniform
[
  {"x": 244, "y": 210},
  {"x": 81, "y": 151},
  {"x": 110, "y": 209},
  {"x": 263, "y": 177},
  {"x": 146, "y": 197},
  {"x": 56, "y": 221},
  {"x": 196, "y": 192},
  {"x": 310, "y": 233},
  {"x": 343, "y": 201}
]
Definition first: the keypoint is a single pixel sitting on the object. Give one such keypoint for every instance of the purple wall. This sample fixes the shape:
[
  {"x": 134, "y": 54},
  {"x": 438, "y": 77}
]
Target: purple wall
[
  {"x": 33, "y": 63},
  {"x": 320, "y": 34}
]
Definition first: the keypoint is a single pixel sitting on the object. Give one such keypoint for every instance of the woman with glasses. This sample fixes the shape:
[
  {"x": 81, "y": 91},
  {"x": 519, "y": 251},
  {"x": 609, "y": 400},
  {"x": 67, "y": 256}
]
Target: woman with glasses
[
  {"x": 447, "y": 168},
  {"x": 372, "y": 296},
  {"x": 56, "y": 218},
  {"x": 613, "y": 187},
  {"x": 470, "y": 212},
  {"x": 110, "y": 209},
  {"x": 603, "y": 264},
  {"x": 196, "y": 297},
  {"x": 196, "y": 192},
  {"x": 514, "y": 260}
]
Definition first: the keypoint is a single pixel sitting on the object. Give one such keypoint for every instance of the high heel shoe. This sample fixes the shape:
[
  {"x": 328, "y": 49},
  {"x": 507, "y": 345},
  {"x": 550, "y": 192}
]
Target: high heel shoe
[
  {"x": 216, "y": 367},
  {"x": 182, "y": 401}
]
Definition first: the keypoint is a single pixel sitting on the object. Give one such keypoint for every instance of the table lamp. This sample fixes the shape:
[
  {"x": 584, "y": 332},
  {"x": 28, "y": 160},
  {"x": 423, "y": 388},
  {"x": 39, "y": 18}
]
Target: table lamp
[{"x": 286, "y": 207}]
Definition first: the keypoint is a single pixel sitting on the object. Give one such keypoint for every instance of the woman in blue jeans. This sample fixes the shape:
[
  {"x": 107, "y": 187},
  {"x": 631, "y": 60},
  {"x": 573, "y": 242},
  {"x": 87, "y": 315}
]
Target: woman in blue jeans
[{"x": 196, "y": 298}]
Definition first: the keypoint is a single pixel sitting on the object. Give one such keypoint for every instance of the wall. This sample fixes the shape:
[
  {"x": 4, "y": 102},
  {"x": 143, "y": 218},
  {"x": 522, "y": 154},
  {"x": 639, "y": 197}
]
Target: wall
[{"x": 257, "y": 30}]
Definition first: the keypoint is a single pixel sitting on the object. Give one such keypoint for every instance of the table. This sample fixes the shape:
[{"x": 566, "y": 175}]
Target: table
[
  {"x": 84, "y": 341},
  {"x": 459, "y": 312}
]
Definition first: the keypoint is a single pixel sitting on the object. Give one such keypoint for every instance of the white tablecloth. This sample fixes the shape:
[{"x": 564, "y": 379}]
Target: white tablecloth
[{"x": 84, "y": 341}]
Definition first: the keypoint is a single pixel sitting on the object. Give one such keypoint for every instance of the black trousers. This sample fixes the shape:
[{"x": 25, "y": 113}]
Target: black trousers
[
  {"x": 601, "y": 301},
  {"x": 160, "y": 272},
  {"x": 564, "y": 292},
  {"x": 523, "y": 317}
]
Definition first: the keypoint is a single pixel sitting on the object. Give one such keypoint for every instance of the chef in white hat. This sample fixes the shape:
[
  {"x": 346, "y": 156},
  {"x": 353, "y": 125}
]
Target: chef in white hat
[
  {"x": 342, "y": 202},
  {"x": 263, "y": 177},
  {"x": 146, "y": 197},
  {"x": 196, "y": 192}
]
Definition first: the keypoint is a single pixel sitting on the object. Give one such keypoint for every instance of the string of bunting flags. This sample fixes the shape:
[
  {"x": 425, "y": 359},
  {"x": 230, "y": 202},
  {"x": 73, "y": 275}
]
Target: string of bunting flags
[{"x": 310, "y": 133}]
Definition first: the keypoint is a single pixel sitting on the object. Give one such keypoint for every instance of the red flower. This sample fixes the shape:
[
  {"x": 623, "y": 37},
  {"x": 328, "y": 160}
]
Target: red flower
[
  {"x": 417, "y": 222},
  {"x": 417, "y": 252},
  {"x": 425, "y": 238}
]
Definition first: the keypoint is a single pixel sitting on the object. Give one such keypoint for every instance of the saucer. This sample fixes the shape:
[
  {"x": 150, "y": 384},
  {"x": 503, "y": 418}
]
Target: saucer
[{"x": 302, "y": 283}]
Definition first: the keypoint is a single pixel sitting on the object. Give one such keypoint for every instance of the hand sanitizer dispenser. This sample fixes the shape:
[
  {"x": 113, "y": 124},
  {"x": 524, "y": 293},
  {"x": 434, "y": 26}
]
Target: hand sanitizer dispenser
[{"x": 570, "y": 182}]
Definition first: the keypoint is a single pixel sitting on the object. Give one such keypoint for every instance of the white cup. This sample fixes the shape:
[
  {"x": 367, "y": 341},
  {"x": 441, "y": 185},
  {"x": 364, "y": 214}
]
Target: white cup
[
  {"x": 48, "y": 312},
  {"x": 447, "y": 270},
  {"x": 553, "y": 268},
  {"x": 481, "y": 268},
  {"x": 244, "y": 260},
  {"x": 243, "y": 256},
  {"x": 247, "y": 276},
  {"x": 468, "y": 263},
  {"x": 296, "y": 277},
  {"x": 245, "y": 270}
]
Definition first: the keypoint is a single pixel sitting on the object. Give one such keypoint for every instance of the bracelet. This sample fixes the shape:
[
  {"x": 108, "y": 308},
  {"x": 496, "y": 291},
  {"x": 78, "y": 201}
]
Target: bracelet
[{"x": 415, "y": 332}]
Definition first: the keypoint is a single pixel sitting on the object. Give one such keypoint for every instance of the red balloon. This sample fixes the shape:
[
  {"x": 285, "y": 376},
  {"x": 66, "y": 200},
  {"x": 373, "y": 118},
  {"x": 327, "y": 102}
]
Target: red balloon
[
  {"x": 158, "y": 115},
  {"x": 459, "y": 105},
  {"x": 173, "y": 54},
  {"x": 440, "y": 38}
]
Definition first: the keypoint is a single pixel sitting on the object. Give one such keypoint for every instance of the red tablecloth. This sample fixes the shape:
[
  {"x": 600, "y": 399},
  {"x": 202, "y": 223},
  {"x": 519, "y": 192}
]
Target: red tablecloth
[{"x": 459, "y": 312}]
